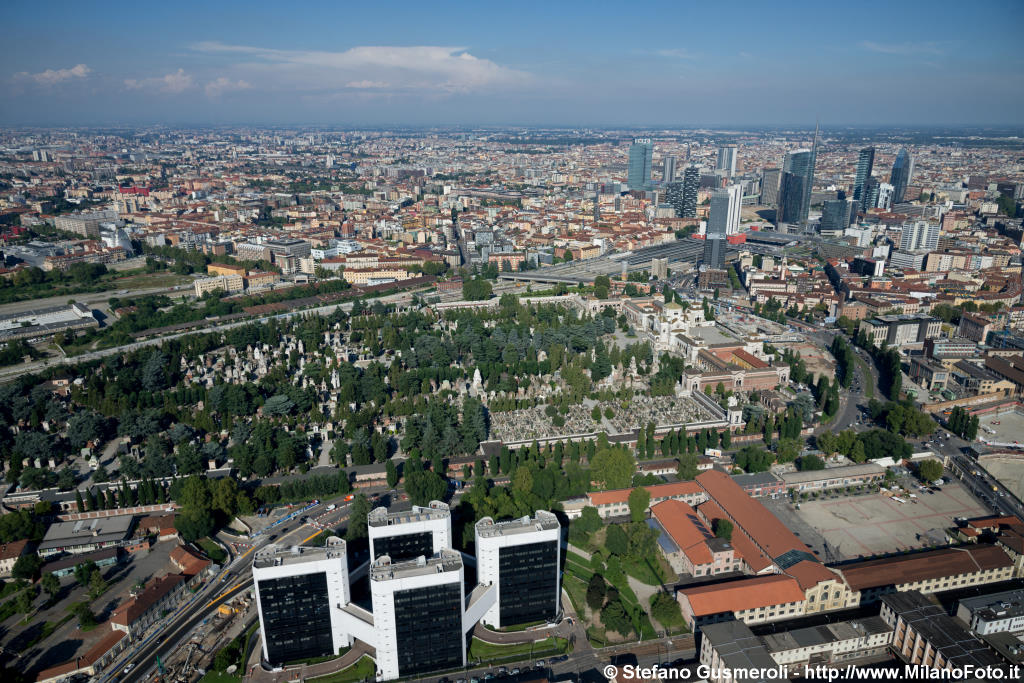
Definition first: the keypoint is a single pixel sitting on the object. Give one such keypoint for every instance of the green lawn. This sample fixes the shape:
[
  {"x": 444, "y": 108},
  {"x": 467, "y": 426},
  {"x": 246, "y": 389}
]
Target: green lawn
[
  {"x": 648, "y": 570},
  {"x": 212, "y": 550},
  {"x": 577, "y": 591},
  {"x": 481, "y": 651},
  {"x": 364, "y": 669}
]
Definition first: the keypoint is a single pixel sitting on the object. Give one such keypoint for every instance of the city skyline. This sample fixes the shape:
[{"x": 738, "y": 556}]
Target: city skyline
[{"x": 69, "y": 65}]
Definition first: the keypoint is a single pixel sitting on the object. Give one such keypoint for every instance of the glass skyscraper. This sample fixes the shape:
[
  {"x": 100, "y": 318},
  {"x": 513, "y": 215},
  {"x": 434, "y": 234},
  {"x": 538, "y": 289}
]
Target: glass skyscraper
[
  {"x": 641, "y": 158},
  {"x": 865, "y": 163},
  {"x": 902, "y": 170},
  {"x": 795, "y": 190}
]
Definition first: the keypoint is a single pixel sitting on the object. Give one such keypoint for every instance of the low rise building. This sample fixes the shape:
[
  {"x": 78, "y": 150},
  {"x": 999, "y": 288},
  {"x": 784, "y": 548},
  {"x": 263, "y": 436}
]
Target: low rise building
[
  {"x": 85, "y": 535},
  {"x": 140, "y": 612},
  {"x": 753, "y": 600},
  {"x": 689, "y": 544},
  {"x": 994, "y": 613},
  {"x": 833, "y": 477}
]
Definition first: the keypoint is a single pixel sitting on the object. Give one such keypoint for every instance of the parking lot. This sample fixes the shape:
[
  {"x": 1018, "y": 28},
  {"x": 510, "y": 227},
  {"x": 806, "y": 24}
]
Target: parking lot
[
  {"x": 872, "y": 524},
  {"x": 1006, "y": 427}
]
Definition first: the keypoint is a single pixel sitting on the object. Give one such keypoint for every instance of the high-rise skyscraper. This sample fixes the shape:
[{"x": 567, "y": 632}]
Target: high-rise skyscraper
[
  {"x": 795, "y": 189},
  {"x": 521, "y": 558},
  {"x": 835, "y": 214},
  {"x": 865, "y": 163},
  {"x": 691, "y": 184},
  {"x": 714, "y": 251},
  {"x": 641, "y": 157},
  {"x": 727, "y": 160},
  {"x": 902, "y": 170},
  {"x": 770, "y": 179},
  {"x": 299, "y": 595},
  {"x": 724, "y": 214},
  {"x": 674, "y": 197},
  {"x": 668, "y": 169},
  {"x": 885, "y": 193},
  {"x": 869, "y": 194}
]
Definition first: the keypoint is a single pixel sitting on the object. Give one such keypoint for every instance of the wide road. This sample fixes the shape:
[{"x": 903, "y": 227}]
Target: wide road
[
  {"x": 233, "y": 581},
  {"x": 13, "y": 372}
]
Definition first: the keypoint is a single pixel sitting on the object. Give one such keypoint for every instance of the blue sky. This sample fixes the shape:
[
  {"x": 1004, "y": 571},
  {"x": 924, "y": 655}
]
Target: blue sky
[{"x": 528, "y": 63}]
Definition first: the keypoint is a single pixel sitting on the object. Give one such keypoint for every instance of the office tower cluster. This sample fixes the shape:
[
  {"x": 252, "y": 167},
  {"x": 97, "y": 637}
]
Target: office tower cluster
[
  {"x": 420, "y": 611},
  {"x": 641, "y": 159}
]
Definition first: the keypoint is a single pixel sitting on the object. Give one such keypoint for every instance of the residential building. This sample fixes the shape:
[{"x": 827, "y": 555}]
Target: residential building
[
  {"x": 925, "y": 635},
  {"x": 919, "y": 235},
  {"x": 884, "y": 197},
  {"x": 9, "y": 554},
  {"x": 521, "y": 558},
  {"x": 691, "y": 186},
  {"x": 84, "y": 224},
  {"x": 300, "y": 592},
  {"x": 141, "y": 611},
  {"x": 641, "y": 158},
  {"x": 224, "y": 283},
  {"x": 406, "y": 535},
  {"x": 901, "y": 330}
]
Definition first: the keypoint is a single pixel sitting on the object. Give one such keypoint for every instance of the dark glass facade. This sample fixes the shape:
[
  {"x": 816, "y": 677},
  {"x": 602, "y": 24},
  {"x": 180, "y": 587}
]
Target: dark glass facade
[
  {"x": 296, "y": 617},
  {"x": 528, "y": 576},
  {"x": 404, "y": 546},
  {"x": 428, "y": 628}
]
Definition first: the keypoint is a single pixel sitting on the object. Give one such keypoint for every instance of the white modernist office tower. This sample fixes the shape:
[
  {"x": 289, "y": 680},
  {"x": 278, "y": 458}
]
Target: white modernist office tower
[
  {"x": 424, "y": 530},
  {"x": 418, "y": 614},
  {"x": 521, "y": 559},
  {"x": 300, "y": 593},
  {"x": 421, "y": 611}
]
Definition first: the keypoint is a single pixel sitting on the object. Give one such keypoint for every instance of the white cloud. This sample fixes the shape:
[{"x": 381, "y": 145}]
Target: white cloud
[
  {"x": 902, "y": 48},
  {"x": 417, "y": 68},
  {"x": 222, "y": 85},
  {"x": 173, "y": 83},
  {"x": 53, "y": 76},
  {"x": 677, "y": 53},
  {"x": 366, "y": 85}
]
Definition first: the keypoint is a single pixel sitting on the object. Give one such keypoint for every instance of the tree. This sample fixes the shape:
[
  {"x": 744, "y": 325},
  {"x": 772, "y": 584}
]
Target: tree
[
  {"x": 596, "y": 590},
  {"x": 26, "y": 566},
  {"x": 666, "y": 610},
  {"x": 86, "y": 619},
  {"x": 930, "y": 470},
  {"x": 589, "y": 520},
  {"x": 97, "y": 585},
  {"x": 723, "y": 529},
  {"x": 613, "y": 468},
  {"x": 810, "y": 462},
  {"x": 79, "y": 504},
  {"x": 639, "y": 499},
  {"x": 392, "y": 474},
  {"x": 476, "y": 289},
  {"x": 616, "y": 540},
  {"x": 23, "y": 601},
  {"x": 50, "y": 584},
  {"x": 615, "y": 618},
  {"x": 357, "y": 518}
]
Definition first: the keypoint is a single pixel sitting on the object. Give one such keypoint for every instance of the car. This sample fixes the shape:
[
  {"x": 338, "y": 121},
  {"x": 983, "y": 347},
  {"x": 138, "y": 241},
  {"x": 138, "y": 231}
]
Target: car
[
  {"x": 515, "y": 671},
  {"x": 559, "y": 658},
  {"x": 540, "y": 664},
  {"x": 502, "y": 670},
  {"x": 128, "y": 668}
]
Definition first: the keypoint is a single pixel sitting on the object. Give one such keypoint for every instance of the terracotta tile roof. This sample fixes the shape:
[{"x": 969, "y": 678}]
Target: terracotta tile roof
[
  {"x": 102, "y": 647},
  {"x": 768, "y": 533},
  {"x": 744, "y": 594},
  {"x": 681, "y": 488},
  {"x": 690, "y": 534},
  {"x": 933, "y": 564},
  {"x": 12, "y": 550},
  {"x": 809, "y": 574},
  {"x": 133, "y": 609},
  {"x": 187, "y": 561}
]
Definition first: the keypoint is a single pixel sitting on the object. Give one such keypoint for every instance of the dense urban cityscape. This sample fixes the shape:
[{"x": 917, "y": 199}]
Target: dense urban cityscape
[{"x": 455, "y": 402}]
